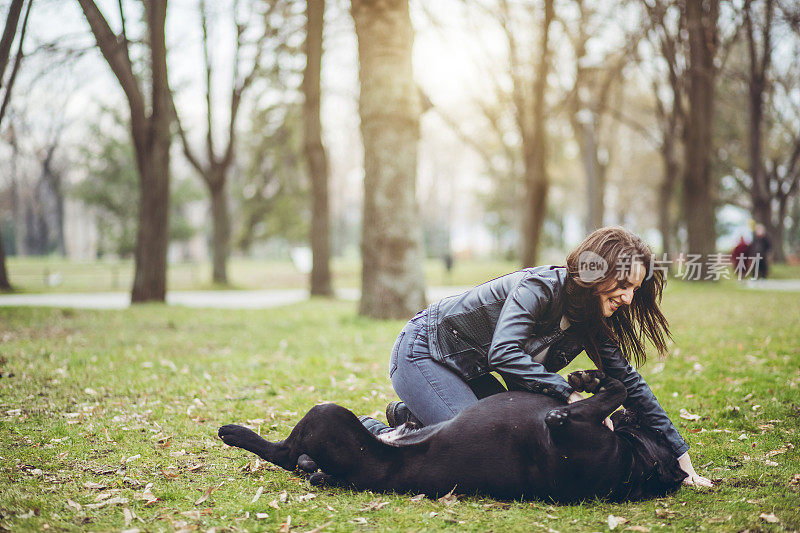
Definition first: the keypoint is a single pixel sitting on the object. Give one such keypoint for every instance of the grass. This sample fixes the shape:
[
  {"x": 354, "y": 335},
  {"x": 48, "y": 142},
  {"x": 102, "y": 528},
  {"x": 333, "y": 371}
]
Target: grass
[
  {"x": 55, "y": 274},
  {"x": 112, "y": 409}
]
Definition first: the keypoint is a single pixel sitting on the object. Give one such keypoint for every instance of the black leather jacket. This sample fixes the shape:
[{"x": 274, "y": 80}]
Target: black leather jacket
[{"x": 504, "y": 323}]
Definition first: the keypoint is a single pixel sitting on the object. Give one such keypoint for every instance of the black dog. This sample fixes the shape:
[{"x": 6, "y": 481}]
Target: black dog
[{"x": 510, "y": 445}]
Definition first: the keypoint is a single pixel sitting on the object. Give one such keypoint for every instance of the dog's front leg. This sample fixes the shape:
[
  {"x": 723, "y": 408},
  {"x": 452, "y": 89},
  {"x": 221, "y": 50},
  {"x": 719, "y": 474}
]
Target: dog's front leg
[
  {"x": 609, "y": 394},
  {"x": 278, "y": 453}
]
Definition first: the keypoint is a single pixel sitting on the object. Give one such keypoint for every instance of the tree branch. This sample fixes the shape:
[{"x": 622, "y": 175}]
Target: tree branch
[
  {"x": 17, "y": 63},
  {"x": 116, "y": 54},
  {"x": 9, "y": 32}
]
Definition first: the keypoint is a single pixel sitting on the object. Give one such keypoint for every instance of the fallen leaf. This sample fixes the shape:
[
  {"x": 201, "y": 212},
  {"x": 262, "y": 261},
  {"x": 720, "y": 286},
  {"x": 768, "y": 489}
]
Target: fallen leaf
[
  {"x": 769, "y": 517},
  {"x": 286, "y": 526},
  {"x": 782, "y": 449},
  {"x": 194, "y": 515},
  {"x": 664, "y": 513},
  {"x": 128, "y": 514},
  {"x": 147, "y": 495},
  {"x": 449, "y": 499},
  {"x": 93, "y": 485},
  {"x": 359, "y": 520},
  {"x": 282, "y": 496},
  {"x": 614, "y": 521},
  {"x": 720, "y": 519},
  {"x": 110, "y": 501},
  {"x": 770, "y": 463},
  {"x": 205, "y": 495},
  {"x": 178, "y": 453},
  {"x": 105, "y": 495},
  {"x": 258, "y": 494},
  {"x": 274, "y": 503},
  {"x": 170, "y": 472},
  {"x": 375, "y": 505},
  {"x": 795, "y": 481},
  {"x": 637, "y": 528},
  {"x": 420, "y": 497},
  {"x": 75, "y": 505},
  {"x": 192, "y": 468},
  {"x": 306, "y": 497},
  {"x": 261, "y": 516},
  {"x": 23, "y": 516},
  {"x": 688, "y": 416},
  {"x": 132, "y": 458}
]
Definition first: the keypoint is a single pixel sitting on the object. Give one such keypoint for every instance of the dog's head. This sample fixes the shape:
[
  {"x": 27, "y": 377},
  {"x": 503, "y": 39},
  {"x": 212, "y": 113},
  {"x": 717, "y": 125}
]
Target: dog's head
[{"x": 655, "y": 471}]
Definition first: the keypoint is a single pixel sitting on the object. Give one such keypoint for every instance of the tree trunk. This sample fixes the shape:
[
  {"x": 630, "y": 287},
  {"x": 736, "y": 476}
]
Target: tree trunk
[
  {"x": 150, "y": 279},
  {"x": 221, "y": 234},
  {"x": 392, "y": 282},
  {"x": 315, "y": 151},
  {"x": 535, "y": 152},
  {"x": 595, "y": 187},
  {"x": 666, "y": 193},
  {"x": 5, "y": 285},
  {"x": 779, "y": 231},
  {"x": 698, "y": 181}
]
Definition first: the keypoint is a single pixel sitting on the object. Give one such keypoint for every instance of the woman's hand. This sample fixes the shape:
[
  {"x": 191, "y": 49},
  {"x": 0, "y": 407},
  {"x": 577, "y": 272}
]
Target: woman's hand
[
  {"x": 693, "y": 478},
  {"x": 577, "y": 396}
]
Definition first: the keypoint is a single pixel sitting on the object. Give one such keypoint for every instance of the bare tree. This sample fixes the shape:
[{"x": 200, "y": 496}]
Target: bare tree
[
  {"x": 392, "y": 282},
  {"x": 315, "y": 151},
  {"x": 214, "y": 170},
  {"x": 759, "y": 48},
  {"x": 668, "y": 39},
  {"x": 588, "y": 102},
  {"x": 532, "y": 126},
  {"x": 150, "y": 131},
  {"x": 6, "y": 43}
]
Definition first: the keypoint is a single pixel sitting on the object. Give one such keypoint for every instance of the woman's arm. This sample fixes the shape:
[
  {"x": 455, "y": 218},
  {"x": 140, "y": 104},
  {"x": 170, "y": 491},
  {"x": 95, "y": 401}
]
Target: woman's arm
[
  {"x": 640, "y": 397},
  {"x": 527, "y": 303}
]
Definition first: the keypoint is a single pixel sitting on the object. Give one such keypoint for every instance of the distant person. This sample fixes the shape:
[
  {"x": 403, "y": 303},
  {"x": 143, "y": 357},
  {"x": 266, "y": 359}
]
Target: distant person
[
  {"x": 740, "y": 258},
  {"x": 528, "y": 325},
  {"x": 447, "y": 258},
  {"x": 760, "y": 248}
]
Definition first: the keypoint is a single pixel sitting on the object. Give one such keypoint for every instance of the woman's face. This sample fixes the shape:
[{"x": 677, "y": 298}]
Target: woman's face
[{"x": 619, "y": 291}]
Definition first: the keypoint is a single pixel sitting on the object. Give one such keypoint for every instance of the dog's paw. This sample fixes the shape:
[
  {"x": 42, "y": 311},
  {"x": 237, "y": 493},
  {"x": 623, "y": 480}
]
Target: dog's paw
[
  {"x": 586, "y": 380},
  {"x": 307, "y": 464},
  {"x": 556, "y": 418},
  {"x": 321, "y": 479},
  {"x": 234, "y": 435}
]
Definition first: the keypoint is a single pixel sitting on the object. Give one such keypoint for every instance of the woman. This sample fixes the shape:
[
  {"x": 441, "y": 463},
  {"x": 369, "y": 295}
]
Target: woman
[{"x": 528, "y": 325}]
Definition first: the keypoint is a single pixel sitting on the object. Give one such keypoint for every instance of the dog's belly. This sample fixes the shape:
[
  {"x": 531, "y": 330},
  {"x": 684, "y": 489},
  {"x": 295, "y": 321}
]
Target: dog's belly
[{"x": 499, "y": 446}]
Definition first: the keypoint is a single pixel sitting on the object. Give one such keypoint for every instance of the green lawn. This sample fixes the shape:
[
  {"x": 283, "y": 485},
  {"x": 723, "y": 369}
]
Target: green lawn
[
  {"x": 108, "y": 419},
  {"x": 55, "y": 274}
]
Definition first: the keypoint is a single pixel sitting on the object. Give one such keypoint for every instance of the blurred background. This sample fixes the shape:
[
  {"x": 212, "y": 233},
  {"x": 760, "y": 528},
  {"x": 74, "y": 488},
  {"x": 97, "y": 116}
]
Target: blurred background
[{"x": 385, "y": 145}]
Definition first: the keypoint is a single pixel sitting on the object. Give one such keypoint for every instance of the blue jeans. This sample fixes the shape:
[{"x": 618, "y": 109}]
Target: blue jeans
[{"x": 433, "y": 392}]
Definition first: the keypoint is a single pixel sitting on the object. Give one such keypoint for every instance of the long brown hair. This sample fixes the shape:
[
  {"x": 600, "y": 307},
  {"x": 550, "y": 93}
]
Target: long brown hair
[{"x": 594, "y": 267}]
